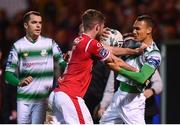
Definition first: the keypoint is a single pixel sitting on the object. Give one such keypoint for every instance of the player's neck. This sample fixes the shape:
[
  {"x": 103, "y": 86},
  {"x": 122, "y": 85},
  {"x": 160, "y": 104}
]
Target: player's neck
[
  {"x": 148, "y": 41},
  {"x": 91, "y": 34},
  {"x": 31, "y": 39}
]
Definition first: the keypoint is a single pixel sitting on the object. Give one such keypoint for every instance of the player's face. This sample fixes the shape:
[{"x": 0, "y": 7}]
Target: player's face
[
  {"x": 34, "y": 25},
  {"x": 140, "y": 30}
]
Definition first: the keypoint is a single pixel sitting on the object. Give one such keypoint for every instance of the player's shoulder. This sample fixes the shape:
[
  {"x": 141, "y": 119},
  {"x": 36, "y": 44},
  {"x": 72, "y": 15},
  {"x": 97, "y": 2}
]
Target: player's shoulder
[
  {"x": 95, "y": 43},
  {"x": 22, "y": 39},
  {"x": 153, "y": 49},
  {"x": 19, "y": 42},
  {"x": 154, "y": 55},
  {"x": 46, "y": 38},
  {"x": 86, "y": 40}
]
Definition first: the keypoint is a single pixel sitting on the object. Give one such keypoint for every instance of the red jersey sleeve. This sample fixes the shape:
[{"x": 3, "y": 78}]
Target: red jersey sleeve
[{"x": 96, "y": 49}]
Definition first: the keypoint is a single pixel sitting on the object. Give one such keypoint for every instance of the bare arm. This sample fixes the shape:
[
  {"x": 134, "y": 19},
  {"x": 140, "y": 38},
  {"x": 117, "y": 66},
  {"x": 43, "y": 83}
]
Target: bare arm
[
  {"x": 107, "y": 96},
  {"x": 125, "y": 51},
  {"x": 119, "y": 63},
  {"x": 157, "y": 83},
  {"x": 118, "y": 51},
  {"x": 109, "y": 91}
]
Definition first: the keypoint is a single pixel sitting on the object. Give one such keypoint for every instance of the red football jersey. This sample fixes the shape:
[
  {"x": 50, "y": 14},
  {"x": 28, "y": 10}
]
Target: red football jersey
[{"x": 78, "y": 73}]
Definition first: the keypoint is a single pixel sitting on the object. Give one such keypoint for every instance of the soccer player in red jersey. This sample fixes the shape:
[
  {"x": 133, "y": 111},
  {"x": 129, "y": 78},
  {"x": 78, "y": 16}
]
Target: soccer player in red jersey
[{"x": 68, "y": 104}]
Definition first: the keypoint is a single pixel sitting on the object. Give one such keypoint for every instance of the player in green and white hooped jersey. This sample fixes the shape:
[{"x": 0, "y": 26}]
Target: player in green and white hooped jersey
[
  {"x": 128, "y": 104},
  {"x": 30, "y": 66}
]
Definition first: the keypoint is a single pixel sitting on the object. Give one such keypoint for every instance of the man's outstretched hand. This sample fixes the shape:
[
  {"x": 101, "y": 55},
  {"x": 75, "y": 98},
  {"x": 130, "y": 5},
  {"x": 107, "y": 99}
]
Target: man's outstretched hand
[{"x": 117, "y": 65}]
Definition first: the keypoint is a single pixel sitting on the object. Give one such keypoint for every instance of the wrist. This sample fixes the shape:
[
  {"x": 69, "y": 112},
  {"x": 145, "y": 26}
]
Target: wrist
[
  {"x": 121, "y": 70},
  {"x": 20, "y": 83}
]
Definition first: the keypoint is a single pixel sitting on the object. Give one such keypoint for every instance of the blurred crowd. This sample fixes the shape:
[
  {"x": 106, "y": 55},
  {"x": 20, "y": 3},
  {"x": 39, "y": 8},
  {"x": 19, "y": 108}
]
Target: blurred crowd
[{"x": 62, "y": 19}]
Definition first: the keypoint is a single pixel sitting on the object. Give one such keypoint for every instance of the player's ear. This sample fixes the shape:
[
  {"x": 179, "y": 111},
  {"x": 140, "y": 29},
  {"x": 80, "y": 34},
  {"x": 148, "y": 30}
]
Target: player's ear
[
  {"x": 25, "y": 25},
  {"x": 149, "y": 30},
  {"x": 97, "y": 27}
]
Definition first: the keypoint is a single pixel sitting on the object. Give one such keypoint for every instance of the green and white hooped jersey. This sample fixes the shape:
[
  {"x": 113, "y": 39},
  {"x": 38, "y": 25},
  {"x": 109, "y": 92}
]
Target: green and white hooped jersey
[
  {"x": 151, "y": 57},
  {"x": 36, "y": 60}
]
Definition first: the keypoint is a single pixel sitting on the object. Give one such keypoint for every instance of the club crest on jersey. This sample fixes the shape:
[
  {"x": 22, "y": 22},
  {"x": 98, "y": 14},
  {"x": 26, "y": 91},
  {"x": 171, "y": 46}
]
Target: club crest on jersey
[
  {"x": 44, "y": 52},
  {"x": 103, "y": 52},
  {"x": 25, "y": 54},
  {"x": 98, "y": 45}
]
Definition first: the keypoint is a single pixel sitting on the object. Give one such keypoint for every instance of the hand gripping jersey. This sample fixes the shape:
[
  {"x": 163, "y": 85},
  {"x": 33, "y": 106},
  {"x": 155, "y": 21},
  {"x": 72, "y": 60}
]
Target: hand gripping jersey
[
  {"x": 77, "y": 75},
  {"x": 36, "y": 60},
  {"x": 151, "y": 57}
]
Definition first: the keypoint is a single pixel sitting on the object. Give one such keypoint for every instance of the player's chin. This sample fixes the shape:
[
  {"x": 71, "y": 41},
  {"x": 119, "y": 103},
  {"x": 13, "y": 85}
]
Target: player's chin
[{"x": 37, "y": 33}]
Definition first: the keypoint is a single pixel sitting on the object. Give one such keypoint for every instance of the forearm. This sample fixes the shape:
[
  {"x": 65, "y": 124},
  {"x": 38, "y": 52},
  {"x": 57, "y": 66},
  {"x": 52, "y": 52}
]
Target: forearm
[
  {"x": 157, "y": 88},
  {"x": 128, "y": 67},
  {"x": 156, "y": 81},
  {"x": 140, "y": 77},
  {"x": 123, "y": 64},
  {"x": 11, "y": 78},
  {"x": 123, "y": 51},
  {"x": 63, "y": 64},
  {"x": 107, "y": 100},
  {"x": 109, "y": 91},
  {"x": 116, "y": 63}
]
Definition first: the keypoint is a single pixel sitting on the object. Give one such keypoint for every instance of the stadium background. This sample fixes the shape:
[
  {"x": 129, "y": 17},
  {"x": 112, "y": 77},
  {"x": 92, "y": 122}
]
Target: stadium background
[{"x": 61, "y": 21}]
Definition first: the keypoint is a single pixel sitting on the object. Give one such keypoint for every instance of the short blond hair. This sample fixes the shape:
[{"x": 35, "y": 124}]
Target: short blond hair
[{"x": 91, "y": 17}]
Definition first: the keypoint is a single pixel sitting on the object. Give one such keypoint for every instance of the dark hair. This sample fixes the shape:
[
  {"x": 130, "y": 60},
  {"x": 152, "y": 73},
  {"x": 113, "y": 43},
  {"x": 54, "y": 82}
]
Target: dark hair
[
  {"x": 150, "y": 22},
  {"x": 26, "y": 17},
  {"x": 91, "y": 17}
]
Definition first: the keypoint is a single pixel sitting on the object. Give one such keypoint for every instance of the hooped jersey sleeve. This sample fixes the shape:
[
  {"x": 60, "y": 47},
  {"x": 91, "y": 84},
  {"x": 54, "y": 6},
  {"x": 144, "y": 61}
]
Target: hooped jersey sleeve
[
  {"x": 56, "y": 51},
  {"x": 12, "y": 61},
  {"x": 58, "y": 54}
]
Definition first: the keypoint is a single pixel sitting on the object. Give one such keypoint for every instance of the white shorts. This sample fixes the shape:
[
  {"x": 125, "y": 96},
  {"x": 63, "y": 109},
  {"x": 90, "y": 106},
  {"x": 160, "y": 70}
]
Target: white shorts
[
  {"x": 125, "y": 108},
  {"x": 31, "y": 112},
  {"x": 70, "y": 110}
]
